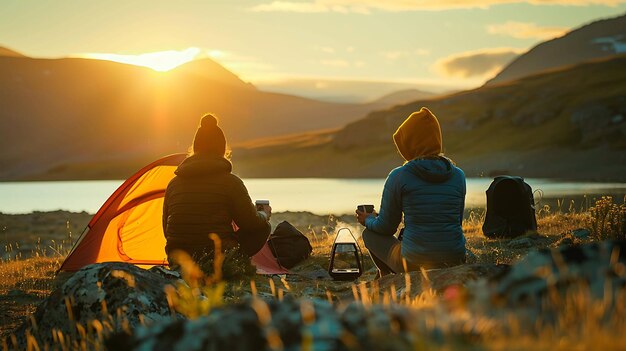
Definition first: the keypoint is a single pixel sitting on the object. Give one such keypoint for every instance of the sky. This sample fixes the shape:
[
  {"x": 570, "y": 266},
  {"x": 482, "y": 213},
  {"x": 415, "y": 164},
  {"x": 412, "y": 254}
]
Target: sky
[{"x": 448, "y": 43}]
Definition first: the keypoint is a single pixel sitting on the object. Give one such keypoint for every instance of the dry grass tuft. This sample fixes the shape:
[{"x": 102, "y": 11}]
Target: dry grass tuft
[{"x": 607, "y": 220}]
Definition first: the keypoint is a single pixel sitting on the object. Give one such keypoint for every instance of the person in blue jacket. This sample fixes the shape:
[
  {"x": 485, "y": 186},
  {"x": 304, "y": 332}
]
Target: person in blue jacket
[{"x": 429, "y": 190}]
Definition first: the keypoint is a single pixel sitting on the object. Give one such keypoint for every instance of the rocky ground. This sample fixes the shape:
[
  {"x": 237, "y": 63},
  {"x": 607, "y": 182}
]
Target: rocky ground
[{"x": 465, "y": 303}]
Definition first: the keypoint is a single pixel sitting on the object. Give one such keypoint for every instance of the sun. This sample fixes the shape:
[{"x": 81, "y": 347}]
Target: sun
[{"x": 159, "y": 61}]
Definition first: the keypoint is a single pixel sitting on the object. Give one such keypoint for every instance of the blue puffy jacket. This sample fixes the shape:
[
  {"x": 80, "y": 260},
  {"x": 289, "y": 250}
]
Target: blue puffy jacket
[{"x": 431, "y": 195}]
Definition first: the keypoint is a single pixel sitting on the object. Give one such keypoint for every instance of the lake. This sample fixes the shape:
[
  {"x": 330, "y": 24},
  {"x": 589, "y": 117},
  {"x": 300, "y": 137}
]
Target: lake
[{"x": 317, "y": 195}]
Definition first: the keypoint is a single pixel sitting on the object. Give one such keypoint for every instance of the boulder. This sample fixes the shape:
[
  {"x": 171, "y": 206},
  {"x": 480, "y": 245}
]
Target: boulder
[
  {"x": 251, "y": 325},
  {"x": 98, "y": 292},
  {"x": 594, "y": 267},
  {"x": 314, "y": 323},
  {"x": 288, "y": 325}
]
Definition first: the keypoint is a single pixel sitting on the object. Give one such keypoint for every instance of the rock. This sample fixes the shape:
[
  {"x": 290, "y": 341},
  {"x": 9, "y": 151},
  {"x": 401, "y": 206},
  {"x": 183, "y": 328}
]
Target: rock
[
  {"x": 581, "y": 233},
  {"x": 520, "y": 243},
  {"x": 316, "y": 324},
  {"x": 251, "y": 325},
  {"x": 97, "y": 292},
  {"x": 313, "y": 323},
  {"x": 234, "y": 328},
  {"x": 594, "y": 266},
  {"x": 168, "y": 274},
  {"x": 288, "y": 325}
]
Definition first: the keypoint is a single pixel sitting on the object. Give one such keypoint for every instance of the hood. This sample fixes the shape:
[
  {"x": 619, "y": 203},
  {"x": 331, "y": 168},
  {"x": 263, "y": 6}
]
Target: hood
[
  {"x": 419, "y": 136},
  {"x": 202, "y": 165},
  {"x": 433, "y": 170}
]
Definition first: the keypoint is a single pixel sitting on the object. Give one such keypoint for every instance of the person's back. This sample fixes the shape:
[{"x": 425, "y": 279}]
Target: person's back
[
  {"x": 200, "y": 200},
  {"x": 432, "y": 193},
  {"x": 429, "y": 191},
  {"x": 205, "y": 197}
]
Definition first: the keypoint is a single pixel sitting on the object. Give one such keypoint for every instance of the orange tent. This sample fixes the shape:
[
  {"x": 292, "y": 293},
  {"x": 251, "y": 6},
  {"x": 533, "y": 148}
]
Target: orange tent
[{"x": 128, "y": 227}]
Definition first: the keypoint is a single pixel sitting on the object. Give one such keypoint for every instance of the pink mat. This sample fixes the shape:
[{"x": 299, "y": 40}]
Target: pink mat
[{"x": 266, "y": 263}]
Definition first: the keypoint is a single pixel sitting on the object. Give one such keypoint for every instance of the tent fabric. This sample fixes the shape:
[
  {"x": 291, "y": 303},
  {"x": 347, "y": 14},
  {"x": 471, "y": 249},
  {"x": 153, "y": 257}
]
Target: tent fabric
[{"x": 128, "y": 227}]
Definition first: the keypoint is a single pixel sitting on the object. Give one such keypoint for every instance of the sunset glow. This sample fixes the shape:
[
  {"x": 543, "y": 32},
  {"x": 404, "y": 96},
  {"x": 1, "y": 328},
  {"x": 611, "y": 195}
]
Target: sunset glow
[
  {"x": 280, "y": 45},
  {"x": 159, "y": 61}
]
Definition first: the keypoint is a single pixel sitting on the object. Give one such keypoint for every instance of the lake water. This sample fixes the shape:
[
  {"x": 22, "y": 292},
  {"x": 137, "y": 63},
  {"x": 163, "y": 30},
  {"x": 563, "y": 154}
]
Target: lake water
[{"x": 317, "y": 195}]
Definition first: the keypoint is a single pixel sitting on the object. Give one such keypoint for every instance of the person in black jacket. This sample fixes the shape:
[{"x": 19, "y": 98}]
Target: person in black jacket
[{"x": 205, "y": 197}]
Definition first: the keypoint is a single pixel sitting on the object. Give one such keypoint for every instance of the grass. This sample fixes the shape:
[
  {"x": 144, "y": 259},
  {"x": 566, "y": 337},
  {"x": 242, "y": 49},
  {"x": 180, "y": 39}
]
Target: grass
[{"x": 580, "y": 323}]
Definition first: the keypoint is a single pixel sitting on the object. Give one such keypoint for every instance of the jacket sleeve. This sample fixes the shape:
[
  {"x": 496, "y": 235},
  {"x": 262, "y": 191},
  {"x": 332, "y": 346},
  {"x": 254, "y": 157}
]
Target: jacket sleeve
[
  {"x": 244, "y": 212},
  {"x": 464, "y": 190},
  {"x": 390, "y": 213}
]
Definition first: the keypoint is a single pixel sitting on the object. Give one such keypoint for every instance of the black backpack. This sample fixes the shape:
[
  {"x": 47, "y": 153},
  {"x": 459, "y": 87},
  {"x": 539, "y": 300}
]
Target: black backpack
[
  {"x": 289, "y": 245},
  {"x": 510, "y": 208}
]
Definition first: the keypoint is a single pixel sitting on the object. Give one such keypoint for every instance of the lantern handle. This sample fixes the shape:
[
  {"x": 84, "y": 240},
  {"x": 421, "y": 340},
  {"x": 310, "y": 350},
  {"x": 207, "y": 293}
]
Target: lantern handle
[{"x": 352, "y": 235}]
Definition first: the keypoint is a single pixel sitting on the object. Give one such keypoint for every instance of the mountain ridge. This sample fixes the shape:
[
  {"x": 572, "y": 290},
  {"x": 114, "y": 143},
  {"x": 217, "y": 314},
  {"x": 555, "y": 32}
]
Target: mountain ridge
[
  {"x": 85, "y": 110},
  {"x": 567, "y": 123},
  {"x": 4, "y": 51},
  {"x": 590, "y": 41}
]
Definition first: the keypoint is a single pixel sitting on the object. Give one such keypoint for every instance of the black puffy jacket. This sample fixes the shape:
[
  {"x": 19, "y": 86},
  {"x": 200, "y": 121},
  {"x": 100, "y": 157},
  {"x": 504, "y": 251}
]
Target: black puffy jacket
[{"x": 205, "y": 197}]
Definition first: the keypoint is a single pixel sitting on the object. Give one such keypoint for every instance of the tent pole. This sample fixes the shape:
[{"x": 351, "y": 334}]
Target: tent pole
[{"x": 78, "y": 240}]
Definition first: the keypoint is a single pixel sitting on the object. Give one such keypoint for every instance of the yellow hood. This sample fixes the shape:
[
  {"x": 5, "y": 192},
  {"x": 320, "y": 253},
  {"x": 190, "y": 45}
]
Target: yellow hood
[{"x": 419, "y": 135}]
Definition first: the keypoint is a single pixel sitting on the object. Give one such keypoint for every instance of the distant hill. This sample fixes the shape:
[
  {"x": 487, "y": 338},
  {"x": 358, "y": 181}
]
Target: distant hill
[
  {"x": 403, "y": 97},
  {"x": 568, "y": 123},
  {"x": 351, "y": 91},
  {"x": 59, "y": 114},
  {"x": 599, "y": 39},
  {"x": 9, "y": 53},
  {"x": 213, "y": 71}
]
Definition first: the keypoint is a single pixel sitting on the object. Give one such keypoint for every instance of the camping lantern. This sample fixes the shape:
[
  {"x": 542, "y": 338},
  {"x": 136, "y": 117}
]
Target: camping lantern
[{"x": 345, "y": 257}]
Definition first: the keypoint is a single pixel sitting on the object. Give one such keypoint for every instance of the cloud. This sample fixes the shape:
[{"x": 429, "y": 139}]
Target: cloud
[
  {"x": 398, "y": 54},
  {"x": 367, "y": 6},
  {"x": 479, "y": 63},
  {"x": 524, "y": 30}
]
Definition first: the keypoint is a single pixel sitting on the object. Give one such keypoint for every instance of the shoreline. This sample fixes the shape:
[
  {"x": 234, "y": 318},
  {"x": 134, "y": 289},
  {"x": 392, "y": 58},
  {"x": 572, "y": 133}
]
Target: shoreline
[
  {"x": 564, "y": 204},
  {"x": 608, "y": 181}
]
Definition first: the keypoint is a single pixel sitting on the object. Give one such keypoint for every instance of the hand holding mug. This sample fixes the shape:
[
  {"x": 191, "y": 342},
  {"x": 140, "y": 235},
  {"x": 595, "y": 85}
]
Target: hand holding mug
[
  {"x": 364, "y": 211},
  {"x": 264, "y": 205}
]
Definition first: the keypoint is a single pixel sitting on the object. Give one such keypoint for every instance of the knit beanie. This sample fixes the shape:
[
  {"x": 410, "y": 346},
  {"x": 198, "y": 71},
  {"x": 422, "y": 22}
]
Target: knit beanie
[
  {"x": 419, "y": 136},
  {"x": 209, "y": 138}
]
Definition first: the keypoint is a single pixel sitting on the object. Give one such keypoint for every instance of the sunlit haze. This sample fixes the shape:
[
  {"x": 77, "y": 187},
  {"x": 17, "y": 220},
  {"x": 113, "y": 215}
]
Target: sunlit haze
[
  {"x": 433, "y": 45},
  {"x": 159, "y": 61}
]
